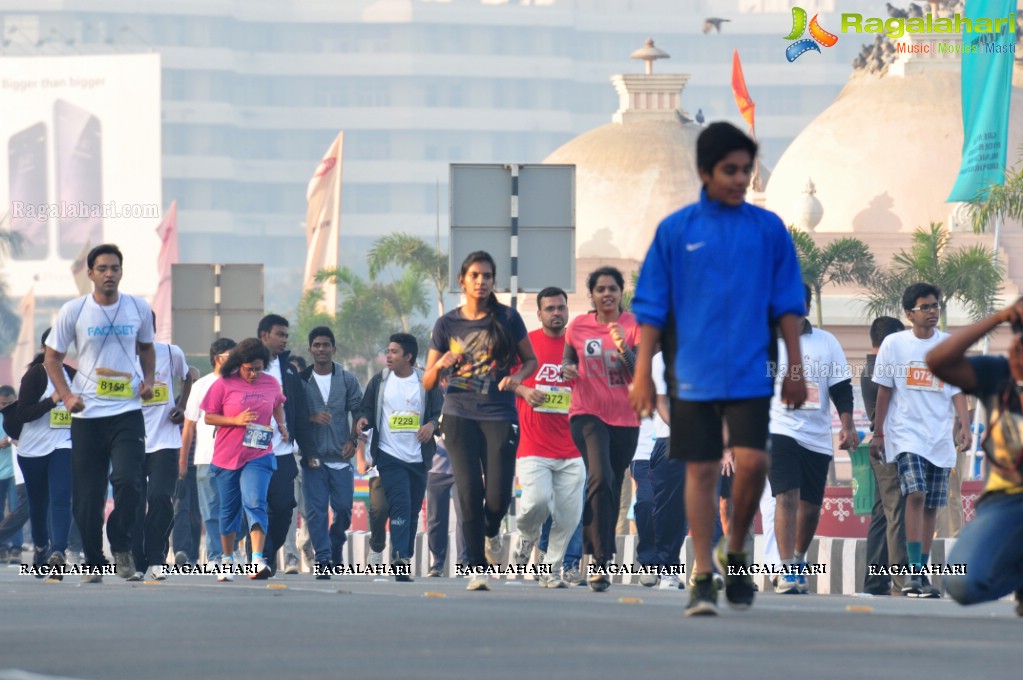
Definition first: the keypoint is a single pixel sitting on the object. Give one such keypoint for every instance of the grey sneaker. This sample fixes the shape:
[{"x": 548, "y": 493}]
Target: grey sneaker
[
  {"x": 703, "y": 597},
  {"x": 524, "y": 551},
  {"x": 478, "y": 582},
  {"x": 649, "y": 580},
  {"x": 376, "y": 558},
  {"x": 435, "y": 572},
  {"x": 56, "y": 564},
  {"x": 551, "y": 581},
  {"x": 401, "y": 565},
  {"x": 494, "y": 548},
  {"x": 72, "y": 557},
  {"x": 573, "y": 576},
  {"x": 180, "y": 558},
  {"x": 126, "y": 567},
  {"x": 92, "y": 578},
  {"x": 291, "y": 565}
]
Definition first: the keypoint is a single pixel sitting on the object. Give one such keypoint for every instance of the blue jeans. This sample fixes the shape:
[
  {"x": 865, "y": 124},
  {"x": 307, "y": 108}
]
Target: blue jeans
[
  {"x": 646, "y": 546},
  {"x": 992, "y": 547},
  {"x": 668, "y": 485},
  {"x": 48, "y": 484},
  {"x": 325, "y": 489},
  {"x": 404, "y": 486},
  {"x": 209, "y": 508},
  {"x": 574, "y": 551},
  {"x": 8, "y": 504},
  {"x": 244, "y": 489}
]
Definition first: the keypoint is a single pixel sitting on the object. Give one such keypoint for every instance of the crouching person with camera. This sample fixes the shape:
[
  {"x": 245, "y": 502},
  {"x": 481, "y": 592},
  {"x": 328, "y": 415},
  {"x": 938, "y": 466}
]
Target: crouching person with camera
[
  {"x": 991, "y": 546},
  {"x": 333, "y": 397},
  {"x": 404, "y": 416}
]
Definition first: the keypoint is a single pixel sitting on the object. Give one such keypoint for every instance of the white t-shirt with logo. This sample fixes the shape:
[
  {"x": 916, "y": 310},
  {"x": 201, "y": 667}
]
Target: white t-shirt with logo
[
  {"x": 323, "y": 384},
  {"x": 45, "y": 434},
  {"x": 161, "y": 433},
  {"x": 108, "y": 377},
  {"x": 203, "y": 433},
  {"x": 402, "y": 413},
  {"x": 824, "y": 365},
  {"x": 281, "y": 448},
  {"x": 920, "y": 415}
]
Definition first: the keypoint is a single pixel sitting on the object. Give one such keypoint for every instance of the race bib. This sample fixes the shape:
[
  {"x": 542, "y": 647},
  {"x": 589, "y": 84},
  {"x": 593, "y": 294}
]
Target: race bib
[
  {"x": 161, "y": 395},
  {"x": 60, "y": 419},
  {"x": 114, "y": 388},
  {"x": 555, "y": 399},
  {"x": 921, "y": 378},
  {"x": 813, "y": 397},
  {"x": 258, "y": 436},
  {"x": 404, "y": 422}
]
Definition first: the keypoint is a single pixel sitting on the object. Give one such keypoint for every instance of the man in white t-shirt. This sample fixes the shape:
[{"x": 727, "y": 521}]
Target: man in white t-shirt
[
  {"x": 163, "y": 418},
  {"x": 108, "y": 433},
  {"x": 195, "y": 427},
  {"x": 801, "y": 447},
  {"x": 913, "y": 425},
  {"x": 403, "y": 415}
]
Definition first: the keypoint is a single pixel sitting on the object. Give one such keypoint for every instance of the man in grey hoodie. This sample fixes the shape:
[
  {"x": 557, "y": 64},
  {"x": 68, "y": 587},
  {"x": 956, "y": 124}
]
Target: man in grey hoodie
[{"x": 333, "y": 396}]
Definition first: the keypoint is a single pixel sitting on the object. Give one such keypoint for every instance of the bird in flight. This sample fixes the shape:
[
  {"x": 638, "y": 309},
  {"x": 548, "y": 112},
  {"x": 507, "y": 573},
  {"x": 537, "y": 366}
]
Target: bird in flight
[{"x": 713, "y": 23}]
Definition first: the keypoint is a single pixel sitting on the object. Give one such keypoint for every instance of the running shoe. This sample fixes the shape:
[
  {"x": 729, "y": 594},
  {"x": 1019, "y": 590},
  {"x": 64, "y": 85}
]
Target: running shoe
[
  {"x": 551, "y": 581},
  {"x": 671, "y": 582},
  {"x": 600, "y": 581},
  {"x": 494, "y": 548},
  {"x": 262, "y": 569},
  {"x": 788, "y": 584},
  {"x": 703, "y": 598},
  {"x": 56, "y": 564},
  {"x": 126, "y": 567},
  {"x": 738, "y": 586},
  {"x": 478, "y": 582},
  {"x": 928, "y": 591}
]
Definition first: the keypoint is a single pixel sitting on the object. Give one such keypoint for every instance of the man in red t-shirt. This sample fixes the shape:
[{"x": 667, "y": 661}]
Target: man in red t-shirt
[{"x": 550, "y": 469}]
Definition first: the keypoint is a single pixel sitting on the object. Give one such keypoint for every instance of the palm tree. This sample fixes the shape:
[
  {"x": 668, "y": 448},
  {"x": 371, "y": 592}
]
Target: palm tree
[
  {"x": 970, "y": 275},
  {"x": 415, "y": 254},
  {"x": 1002, "y": 200},
  {"x": 845, "y": 260}
]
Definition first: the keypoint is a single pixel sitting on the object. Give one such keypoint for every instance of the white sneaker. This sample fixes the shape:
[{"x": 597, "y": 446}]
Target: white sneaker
[
  {"x": 262, "y": 569},
  {"x": 670, "y": 582},
  {"x": 376, "y": 558},
  {"x": 156, "y": 572},
  {"x": 551, "y": 581},
  {"x": 523, "y": 552},
  {"x": 227, "y": 570},
  {"x": 478, "y": 582},
  {"x": 494, "y": 548}
]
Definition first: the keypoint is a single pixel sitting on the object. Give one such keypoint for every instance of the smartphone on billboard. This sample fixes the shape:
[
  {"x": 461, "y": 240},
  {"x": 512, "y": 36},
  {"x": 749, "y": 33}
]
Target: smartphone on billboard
[
  {"x": 79, "y": 178},
  {"x": 26, "y": 155}
]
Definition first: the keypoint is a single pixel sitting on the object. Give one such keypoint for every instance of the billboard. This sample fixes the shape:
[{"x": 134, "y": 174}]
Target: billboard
[{"x": 81, "y": 136}]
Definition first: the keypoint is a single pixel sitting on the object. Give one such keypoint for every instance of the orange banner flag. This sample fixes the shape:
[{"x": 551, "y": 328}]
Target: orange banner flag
[{"x": 742, "y": 98}]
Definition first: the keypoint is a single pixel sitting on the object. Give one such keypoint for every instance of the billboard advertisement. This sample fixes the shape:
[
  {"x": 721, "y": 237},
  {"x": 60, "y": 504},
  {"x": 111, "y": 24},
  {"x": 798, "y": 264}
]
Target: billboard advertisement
[{"x": 81, "y": 167}]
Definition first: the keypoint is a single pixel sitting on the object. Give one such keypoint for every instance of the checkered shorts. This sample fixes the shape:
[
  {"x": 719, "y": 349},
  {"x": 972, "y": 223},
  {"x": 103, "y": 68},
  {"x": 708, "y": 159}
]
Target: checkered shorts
[{"x": 916, "y": 473}]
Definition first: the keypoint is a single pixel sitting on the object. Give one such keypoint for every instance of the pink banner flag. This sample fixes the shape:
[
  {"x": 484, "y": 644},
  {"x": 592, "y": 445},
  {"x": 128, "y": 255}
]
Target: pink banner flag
[
  {"x": 323, "y": 215},
  {"x": 168, "y": 233}
]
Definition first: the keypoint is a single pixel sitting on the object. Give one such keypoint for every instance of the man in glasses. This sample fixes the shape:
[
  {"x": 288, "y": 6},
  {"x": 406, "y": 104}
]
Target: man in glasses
[
  {"x": 992, "y": 544},
  {"x": 913, "y": 426}
]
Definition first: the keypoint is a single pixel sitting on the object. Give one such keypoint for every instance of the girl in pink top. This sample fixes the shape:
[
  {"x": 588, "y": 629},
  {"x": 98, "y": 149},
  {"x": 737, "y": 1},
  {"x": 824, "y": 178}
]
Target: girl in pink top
[
  {"x": 600, "y": 356},
  {"x": 240, "y": 405}
]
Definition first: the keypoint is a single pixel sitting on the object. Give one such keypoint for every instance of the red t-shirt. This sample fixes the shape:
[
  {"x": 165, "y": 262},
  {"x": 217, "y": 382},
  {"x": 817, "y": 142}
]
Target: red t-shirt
[
  {"x": 544, "y": 432},
  {"x": 602, "y": 388}
]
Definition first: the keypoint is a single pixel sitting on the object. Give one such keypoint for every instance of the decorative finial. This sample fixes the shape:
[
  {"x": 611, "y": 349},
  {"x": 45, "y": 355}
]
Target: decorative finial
[{"x": 649, "y": 54}]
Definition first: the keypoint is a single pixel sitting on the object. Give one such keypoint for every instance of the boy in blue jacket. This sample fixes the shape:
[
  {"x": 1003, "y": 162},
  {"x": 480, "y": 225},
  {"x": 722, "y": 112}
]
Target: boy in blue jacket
[{"x": 720, "y": 277}]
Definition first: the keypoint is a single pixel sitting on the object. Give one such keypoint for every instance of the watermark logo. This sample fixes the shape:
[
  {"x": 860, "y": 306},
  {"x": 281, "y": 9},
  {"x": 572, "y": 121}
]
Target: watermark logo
[{"x": 818, "y": 36}]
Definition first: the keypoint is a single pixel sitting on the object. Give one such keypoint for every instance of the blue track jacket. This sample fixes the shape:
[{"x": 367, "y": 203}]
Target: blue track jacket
[{"x": 722, "y": 276}]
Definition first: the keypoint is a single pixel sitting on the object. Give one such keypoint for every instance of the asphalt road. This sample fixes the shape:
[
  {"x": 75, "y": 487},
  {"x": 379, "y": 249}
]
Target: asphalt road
[{"x": 356, "y": 627}]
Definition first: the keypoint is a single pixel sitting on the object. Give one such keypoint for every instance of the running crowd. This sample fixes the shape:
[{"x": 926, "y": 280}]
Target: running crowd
[{"x": 673, "y": 393}]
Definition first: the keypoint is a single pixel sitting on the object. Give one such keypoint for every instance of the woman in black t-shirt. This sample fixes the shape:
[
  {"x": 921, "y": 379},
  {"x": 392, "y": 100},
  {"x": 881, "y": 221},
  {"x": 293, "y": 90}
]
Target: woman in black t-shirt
[{"x": 475, "y": 347}]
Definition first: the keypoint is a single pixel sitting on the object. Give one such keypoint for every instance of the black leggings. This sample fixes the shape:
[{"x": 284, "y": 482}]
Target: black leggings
[
  {"x": 607, "y": 451},
  {"x": 482, "y": 454}
]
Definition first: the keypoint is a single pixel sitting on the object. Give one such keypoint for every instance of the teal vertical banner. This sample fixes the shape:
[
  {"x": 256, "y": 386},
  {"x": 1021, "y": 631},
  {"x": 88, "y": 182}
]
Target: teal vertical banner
[{"x": 986, "y": 89}]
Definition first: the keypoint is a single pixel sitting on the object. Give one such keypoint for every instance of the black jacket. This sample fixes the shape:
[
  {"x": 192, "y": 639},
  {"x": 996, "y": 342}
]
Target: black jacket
[{"x": 296, "y": 410}]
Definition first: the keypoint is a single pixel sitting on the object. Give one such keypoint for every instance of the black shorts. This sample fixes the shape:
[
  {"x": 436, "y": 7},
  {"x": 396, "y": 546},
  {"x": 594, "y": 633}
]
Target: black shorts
[
  {"x": 696, "y": 427},
  {"x": 796, "y": 467}
]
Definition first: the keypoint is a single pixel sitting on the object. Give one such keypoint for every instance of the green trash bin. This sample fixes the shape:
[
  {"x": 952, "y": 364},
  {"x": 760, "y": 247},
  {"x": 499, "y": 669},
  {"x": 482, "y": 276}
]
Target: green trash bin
[{"x": 862, "y": 481}]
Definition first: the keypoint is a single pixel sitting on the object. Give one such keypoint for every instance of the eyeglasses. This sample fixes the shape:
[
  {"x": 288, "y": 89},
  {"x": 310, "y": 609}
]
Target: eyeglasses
[{"x": 936, "y": 307}]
